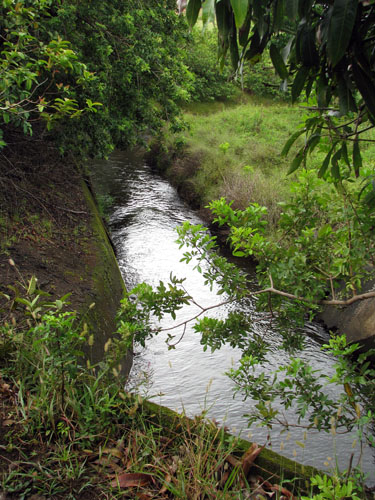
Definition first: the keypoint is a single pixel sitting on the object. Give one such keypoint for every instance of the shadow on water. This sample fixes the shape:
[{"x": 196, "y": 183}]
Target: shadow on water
[{"x": 146, "y": 210}]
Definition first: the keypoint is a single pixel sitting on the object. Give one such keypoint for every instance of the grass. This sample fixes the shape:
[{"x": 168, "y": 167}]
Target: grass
[
  {"x": 235, "y": 148},
  {"x": 70, "y": 430},
  {"x": 239, "y": 146}
]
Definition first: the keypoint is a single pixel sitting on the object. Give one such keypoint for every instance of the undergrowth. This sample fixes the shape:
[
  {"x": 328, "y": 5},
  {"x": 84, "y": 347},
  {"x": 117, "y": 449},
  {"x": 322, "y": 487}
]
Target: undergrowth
[{"x": 70, "y": 430}]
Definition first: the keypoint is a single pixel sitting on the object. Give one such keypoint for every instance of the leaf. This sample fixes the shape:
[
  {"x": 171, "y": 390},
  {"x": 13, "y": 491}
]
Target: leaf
[
  {"x": 240, "y": 10},
  {"x": 357, "y": 159},
  {"x": 208, "y": 11},
  {"x": 32, "y": 285},
  {"x": 278, "y": 14},
  {"x": 278, "y": 62},
  {"x": 299, "y": 82},
  {"x": 223, "y": 19},
  {"x": 297, "y": 161},
  {"x": 291, "y": 10},
  {"x": 365, "y": 87},
  {"x": 292, "y": 139},
  {"x": 341, "y": 28},
  {"x": 323, "y": 168},
  {"x": 132, "y": 480},
  {"x": 192, "y": 11},
  {"x": 346, "y": 100}
]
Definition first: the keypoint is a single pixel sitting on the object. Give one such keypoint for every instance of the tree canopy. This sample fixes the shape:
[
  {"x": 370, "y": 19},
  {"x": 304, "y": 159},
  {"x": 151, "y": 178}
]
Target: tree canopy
[{"x": 98, "y": 73}]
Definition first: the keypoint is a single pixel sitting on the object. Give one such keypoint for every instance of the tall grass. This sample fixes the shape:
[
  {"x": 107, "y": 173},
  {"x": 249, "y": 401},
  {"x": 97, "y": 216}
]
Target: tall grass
[{"x": 238, "y": 147}]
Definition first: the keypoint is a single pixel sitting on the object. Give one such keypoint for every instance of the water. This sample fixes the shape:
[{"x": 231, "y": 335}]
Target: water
[{"x": 146, "y": 211}]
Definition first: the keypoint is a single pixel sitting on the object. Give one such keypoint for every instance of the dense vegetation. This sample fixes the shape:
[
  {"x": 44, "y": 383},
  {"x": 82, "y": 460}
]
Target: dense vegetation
[
  {"x": 89, "y": 76},
  {"x": 98, "y": 74}
]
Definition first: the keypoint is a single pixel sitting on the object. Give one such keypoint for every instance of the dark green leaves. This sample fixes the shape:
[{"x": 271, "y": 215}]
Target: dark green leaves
[
  {"x": 299, "y": 82},
  {"x": 341, "y": 28},
  {"x": 192, "y": 11},
  {"x": 278, "y": 62}
]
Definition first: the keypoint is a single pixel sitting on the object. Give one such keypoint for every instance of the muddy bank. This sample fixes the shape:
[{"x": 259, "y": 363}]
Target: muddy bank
[{"x": 50, "y": 228}]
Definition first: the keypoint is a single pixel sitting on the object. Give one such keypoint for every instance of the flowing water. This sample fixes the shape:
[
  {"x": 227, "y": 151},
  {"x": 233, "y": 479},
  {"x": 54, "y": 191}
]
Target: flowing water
[{"x": 146, "y": 210}]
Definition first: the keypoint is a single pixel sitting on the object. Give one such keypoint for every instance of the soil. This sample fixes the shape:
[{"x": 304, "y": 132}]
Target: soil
[
  {"x": 44, "y": 232},
  {"x": 43, "y": 222}
]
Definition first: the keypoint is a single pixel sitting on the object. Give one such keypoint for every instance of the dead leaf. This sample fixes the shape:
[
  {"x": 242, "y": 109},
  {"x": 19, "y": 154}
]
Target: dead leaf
[
  {"x": 115, "y": 452},
  {"x": 249, "y": 457},
  {"x": 131, "y": 480},
  {"x": 233, "y": 460},
  {"x": 167, "y": 479},
  {"x": 8, "y": 422}
]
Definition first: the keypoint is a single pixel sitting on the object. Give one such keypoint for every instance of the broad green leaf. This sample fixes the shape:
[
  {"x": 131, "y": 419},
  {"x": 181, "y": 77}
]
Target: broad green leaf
[
  {"x": 357, "y": 159},
  {"x": 313, "y": 141},
  {"x": 346, "y": 100},
  {"x": 208, "y": 11},
  {"x": 240, "y": 10},
  {"x": 223, "y": 19},
  {"x": 292, "y": 139},
  {"x": 297, "y": 161},
  {"x": 299, "y": 82},
  {"x": 278, "y": 14},
  {"x": 278, "y": 62},
  {"x": 324, "y": 167},
  {"x": 306, "y": 50},
  {"x": 234, "y": 56},
  {"x": 341, "y": 28},
  {"x": 192, "y": 11},
  {"x": 243, "y": 32},
  {"x": 366, "y": 88}
]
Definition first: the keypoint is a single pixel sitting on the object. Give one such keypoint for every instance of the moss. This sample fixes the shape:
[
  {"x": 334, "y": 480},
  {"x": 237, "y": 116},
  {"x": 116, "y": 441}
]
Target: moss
[{"x": 107, "y": 286}]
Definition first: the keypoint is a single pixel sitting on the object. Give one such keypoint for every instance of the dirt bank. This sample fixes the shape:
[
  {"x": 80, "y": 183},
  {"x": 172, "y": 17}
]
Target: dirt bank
[{"x": 50, "y": 229}]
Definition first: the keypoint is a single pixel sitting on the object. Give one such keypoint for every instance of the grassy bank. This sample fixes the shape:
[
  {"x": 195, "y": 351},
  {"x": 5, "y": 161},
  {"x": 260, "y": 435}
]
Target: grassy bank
[{"x": 233, "y": 150}]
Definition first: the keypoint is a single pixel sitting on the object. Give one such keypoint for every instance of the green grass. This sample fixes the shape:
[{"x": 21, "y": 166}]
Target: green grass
[{"x": 237, "y": 150}]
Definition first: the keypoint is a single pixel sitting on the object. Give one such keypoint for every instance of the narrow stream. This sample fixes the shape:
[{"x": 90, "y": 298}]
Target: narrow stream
[{"x": 146, "y": 210}]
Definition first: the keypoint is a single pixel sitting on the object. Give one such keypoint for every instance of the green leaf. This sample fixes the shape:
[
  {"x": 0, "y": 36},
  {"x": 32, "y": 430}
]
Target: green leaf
[
  {"x": 346, "y": 100},
  {"x": 324, "y": 167},
  {"x": 341, "y": 28},
  {"x": 297, "y": 161},
  {"x": 299, "y": 82},
  {"x": 278, "y": 62},
  {"x": 366, "y": 88},
  {"x": 208, "y": 11},
  {"x": 291, "y": 9},
  {"x": 278, "y": 14},
  {"x": 192, "y": 11},
  {"x": 292, "y": 139},
  {"x": 223, "y": 19},
  {"x": 357, "y": 159},
  {"x": 240, "y": 10},
  {"x": 32, "y": 285}
]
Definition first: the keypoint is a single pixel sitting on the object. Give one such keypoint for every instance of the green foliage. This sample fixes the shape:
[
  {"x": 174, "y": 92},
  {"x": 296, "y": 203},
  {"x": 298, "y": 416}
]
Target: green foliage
[
  {"x": 337, "y": 488},
  {"x": 40, "y": 72},
  {"x": 323, "y": 239},
  {"x": 209, "y": 82},
  {"x": 99, "y": 73},
  {"x": 329, "y": 50}
]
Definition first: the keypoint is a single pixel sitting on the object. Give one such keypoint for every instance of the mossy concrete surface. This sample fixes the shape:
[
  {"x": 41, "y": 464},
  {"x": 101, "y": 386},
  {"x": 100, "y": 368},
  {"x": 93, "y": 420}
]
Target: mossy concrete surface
[{"x": 107, "y": 286}]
